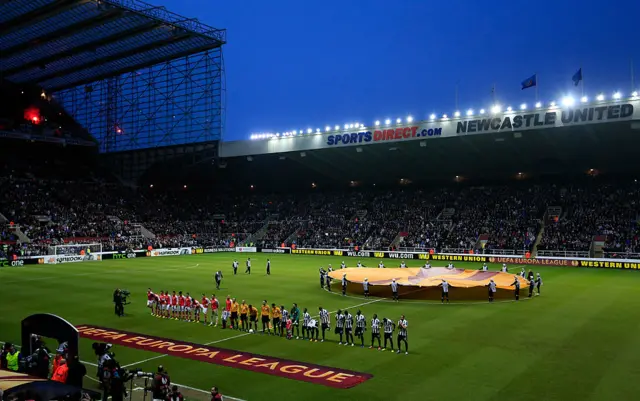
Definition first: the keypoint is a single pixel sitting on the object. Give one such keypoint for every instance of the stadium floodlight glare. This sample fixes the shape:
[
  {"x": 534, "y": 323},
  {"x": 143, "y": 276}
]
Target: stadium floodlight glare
[
  {"x": 634, "y": 94},
  {"x": 327, "y": 129},
  {"x": 470, "y": 112},
  {"x": 377, "y": 123},
  {"x": 350, "y": 125},
  {"x": 300, "y": 132},
  {"x": 600, "y": 97},
  {"x": 509, "y": 109},
  {"x": 538, "y": 105},
  {"x": 309, "y": 130},
  {"x": 456, "y": 114},
  {"x": 409, "y": 119},
  {"x": 399, "y": 120},
  {"x": 346, "y": 126},
  {"x": 356, "y": 125},
  {"x": 432, "y": 116},
  {"x": 361, "y": 125},
  {"x": 444, "y": 117},
  {"x": 552, "y": 104},
  {"x": 617, "y": 95},
  {"x": 523, "y": 106},
  {"x": 317, "y": 130},
  {"x": 496, "y": 109},
  {"x": 481, "y": 111},
  {"x": 584, "y": 99},
  {"x": 337, "y": 127},
  {"x": 387, "y": 121},
  {"x": 568, "y": 101}
]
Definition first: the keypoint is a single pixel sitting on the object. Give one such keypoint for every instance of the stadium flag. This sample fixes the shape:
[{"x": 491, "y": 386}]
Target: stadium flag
[
  {"x": 577, "y": 77},
  {"x": 530, "y": 82}
]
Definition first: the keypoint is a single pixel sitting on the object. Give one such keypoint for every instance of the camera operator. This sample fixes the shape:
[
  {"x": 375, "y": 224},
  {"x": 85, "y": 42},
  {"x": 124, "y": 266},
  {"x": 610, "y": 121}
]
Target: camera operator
[
  {"x": 76, "y": 372},
  {"x": 160, "y": 385},
  {"x": 119, "y": 302},
  {"x": 175, "y": 395}
]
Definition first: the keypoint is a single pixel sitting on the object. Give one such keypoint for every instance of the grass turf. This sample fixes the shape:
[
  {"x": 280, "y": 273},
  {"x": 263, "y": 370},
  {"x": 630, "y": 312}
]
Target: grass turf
[{"x": 579, "y": 340}]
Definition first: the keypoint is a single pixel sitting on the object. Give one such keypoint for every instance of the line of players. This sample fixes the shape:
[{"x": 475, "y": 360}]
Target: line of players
[
  {"x": 534, "y": 283},
  {"x": 278, "y": 321}
]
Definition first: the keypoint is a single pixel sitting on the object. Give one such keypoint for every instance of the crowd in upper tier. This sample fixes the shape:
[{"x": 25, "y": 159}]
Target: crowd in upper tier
[{"x": 52, "y": 210}]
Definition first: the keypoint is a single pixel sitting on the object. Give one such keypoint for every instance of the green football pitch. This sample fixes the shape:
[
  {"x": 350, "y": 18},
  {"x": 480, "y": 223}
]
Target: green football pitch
[{"x": 579, "y": 340}]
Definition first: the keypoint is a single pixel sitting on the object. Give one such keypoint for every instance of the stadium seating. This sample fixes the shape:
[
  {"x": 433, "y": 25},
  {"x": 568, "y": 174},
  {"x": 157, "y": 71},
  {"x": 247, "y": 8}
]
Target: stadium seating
[{"x": 50, "y": 207}]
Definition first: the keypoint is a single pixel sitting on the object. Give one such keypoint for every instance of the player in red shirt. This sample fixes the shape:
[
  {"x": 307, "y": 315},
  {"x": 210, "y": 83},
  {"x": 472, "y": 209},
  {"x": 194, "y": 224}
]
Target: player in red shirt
[
  {"x": 187, "y": 307},
  {"x": 181, "y": 300},
  {"x": 205, "y": 308},
  {"x": 228, "y": 304},
  {"x": 150, "y": 298},
  {"x": 158, "y": 304},
  {"x": 174, "y": 305},
  {"x": 214, "y": 310},
  {"x": 166, "y": 301}
]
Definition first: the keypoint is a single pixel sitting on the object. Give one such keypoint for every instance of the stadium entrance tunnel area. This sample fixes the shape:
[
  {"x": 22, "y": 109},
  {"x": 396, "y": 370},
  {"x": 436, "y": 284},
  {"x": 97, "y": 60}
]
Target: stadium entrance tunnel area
[{"x": 423, "y": 284}]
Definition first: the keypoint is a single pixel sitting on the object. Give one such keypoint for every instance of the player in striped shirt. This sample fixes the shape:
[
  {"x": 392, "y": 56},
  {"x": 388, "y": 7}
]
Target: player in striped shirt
[
  {"x": 365, "y": 286},
  {"x": 389, "y": 327},
  {"x": 348, "y": 328},
  {"x": 445, "y": 290},
  {"x": 375, "y": 330},
  {"x": 516, "y": 283},
  {"x": 344, "y": 285},
  {"x": 492, "y": 290},
  {"x": 538, "y": 283},
  {"x": 340, "y": 318},
  {"x": 306, "y": 318},
  {"x": 402, "y": 334},
  {"x": 523, "y": 273},
  {"x": 485, "y": 267},
  {"x": 342, "y": 265},
  {"x": 394, "y": 289},
  {"x": 325, "y": 321},
  {"x": 361, "y": 326}
]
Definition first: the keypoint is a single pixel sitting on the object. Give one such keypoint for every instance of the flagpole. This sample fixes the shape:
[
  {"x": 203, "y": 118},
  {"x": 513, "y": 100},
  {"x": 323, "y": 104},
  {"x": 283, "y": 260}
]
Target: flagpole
[
  {"x": 537, "y": 84},
  {"x": 582, "y": 80},
  {"x": 633, "y": 83},
  {"x": 456, "y": 96},
  {"x": 493, "y": 94}
]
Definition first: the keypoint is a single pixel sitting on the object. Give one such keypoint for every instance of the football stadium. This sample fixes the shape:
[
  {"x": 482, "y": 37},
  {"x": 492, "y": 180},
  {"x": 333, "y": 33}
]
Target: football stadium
[{"x": 487, "y": 254}]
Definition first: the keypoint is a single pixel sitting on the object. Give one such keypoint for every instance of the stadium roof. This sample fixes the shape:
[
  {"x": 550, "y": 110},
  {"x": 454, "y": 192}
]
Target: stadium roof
[{"x": 59, "y": 44}]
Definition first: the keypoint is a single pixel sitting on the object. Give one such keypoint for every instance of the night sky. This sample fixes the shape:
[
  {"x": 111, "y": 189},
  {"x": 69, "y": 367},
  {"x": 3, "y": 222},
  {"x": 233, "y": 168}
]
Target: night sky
[{"x": 306, "y": 64}]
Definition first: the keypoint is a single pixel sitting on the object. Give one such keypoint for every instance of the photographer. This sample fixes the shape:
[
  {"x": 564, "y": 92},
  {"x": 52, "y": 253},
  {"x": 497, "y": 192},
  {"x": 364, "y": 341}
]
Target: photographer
[
  {"x": 175, "y": 395},
  {"x": 37, "y": 364},
  {"x": 112, "y": 381},
  {"x": 160, "y": 385}
]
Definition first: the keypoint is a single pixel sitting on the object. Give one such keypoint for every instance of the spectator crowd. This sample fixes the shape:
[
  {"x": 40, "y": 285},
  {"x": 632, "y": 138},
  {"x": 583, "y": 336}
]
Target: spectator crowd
[{"x": 37, "y": 213}]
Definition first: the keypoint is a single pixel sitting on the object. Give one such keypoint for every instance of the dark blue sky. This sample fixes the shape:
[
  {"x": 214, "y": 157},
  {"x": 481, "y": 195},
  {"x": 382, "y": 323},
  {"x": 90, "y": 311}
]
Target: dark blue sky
[{"x": 306, "y": 64}]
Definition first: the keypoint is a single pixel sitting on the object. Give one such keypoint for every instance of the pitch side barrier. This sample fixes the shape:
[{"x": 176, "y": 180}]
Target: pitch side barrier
[{"x": 632, "y": 264}]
